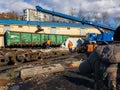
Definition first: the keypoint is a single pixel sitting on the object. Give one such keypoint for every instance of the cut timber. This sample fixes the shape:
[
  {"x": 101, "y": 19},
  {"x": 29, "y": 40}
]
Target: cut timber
[{"x": 38, "y": 70}]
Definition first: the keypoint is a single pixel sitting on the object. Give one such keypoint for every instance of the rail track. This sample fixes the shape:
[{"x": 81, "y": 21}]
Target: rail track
[
  {"x": 19, "y": 56},
  {"x": 43, "y": 58}
]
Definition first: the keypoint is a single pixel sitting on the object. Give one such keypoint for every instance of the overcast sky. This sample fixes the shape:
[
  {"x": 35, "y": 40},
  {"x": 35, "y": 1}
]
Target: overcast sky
[{"x": 112, "y": 7}]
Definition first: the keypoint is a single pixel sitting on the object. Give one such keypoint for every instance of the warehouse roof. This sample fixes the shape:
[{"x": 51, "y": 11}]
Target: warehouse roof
[{"x": 35, "y": 23}]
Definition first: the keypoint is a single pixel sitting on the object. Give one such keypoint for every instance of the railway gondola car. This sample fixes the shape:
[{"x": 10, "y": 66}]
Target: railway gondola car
[
  {"x": 18, "y": 46},
  {"x": 23, "y": 39}
]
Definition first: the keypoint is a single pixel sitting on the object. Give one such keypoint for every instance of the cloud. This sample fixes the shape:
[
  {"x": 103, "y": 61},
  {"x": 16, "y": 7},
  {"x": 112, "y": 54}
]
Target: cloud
[
  {"x": 13, "y": 5},
  {"x": 112, "y": 7},
  {"x": 88, "y": 7},
  {"x": 64, "y": 6}
]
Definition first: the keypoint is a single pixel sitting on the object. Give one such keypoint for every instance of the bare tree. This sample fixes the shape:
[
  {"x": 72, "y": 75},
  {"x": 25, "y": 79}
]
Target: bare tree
[
  {"x": 105, "y": 17},
  {"x": 80, "y": 13},
  {"x": 72, "y": 13},
  {"x": 10, "y": 15}
]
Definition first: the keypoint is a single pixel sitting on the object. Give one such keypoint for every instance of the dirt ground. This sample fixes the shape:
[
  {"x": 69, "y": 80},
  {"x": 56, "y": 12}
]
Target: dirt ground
[{"x": 70, "y": 79}]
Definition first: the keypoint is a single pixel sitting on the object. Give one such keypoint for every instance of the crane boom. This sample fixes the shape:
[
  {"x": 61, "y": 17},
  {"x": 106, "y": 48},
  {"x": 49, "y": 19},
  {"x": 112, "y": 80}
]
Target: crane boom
[{"x": 82, "y": 20}]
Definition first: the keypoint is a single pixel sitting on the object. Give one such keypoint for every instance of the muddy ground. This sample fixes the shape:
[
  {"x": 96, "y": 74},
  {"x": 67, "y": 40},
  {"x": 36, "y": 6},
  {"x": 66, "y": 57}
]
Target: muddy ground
[{"x": 70, "y": 79}]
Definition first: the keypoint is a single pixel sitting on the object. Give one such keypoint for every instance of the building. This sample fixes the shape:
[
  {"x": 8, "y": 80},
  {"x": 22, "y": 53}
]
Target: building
[
  {"x": 34, "y": 15},
  {"x": 71, "y": 29}
]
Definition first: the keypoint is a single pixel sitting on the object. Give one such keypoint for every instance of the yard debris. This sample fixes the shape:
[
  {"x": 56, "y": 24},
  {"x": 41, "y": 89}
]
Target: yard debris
[
  {"x": 3, "y": 82},
  {"x": 42, "y": 62},
  {"x": 38, "y": 70},
  {"x": 74, "y": 64}
]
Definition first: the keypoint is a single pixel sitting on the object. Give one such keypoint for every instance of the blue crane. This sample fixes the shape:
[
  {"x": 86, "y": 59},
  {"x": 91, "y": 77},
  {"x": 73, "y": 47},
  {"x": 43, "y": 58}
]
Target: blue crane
[{"x": 105, "y": 37}]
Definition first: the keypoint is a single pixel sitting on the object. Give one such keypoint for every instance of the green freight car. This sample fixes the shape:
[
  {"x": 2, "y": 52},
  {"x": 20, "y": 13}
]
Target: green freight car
[
  {"x": 22, "y": 39},
  {"x": 25, "y": 39},
  {"x": 12, "y": 38},
  {"x": 36, "y": 39}
]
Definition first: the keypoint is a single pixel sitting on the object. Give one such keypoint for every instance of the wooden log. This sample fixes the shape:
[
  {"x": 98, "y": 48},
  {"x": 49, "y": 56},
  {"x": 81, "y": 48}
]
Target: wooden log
[{"x": 38, "y": 70}]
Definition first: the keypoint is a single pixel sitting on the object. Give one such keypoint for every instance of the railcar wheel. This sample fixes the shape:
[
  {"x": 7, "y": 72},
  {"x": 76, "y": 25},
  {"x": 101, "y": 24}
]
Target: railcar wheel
[
  {"x": 10, "y": 57},
  {"x": 28, "y": 55},
  {"x": 19, "y": 57},
  {"x": 39, "y": 55},
  {"x": 3, "y": 61}
]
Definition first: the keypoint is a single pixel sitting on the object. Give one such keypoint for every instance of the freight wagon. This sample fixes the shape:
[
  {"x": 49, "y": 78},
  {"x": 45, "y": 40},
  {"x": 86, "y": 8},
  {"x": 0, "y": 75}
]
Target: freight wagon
[
  {"x": 25, "y": 39},
  {"x": 18, "y": 46}
]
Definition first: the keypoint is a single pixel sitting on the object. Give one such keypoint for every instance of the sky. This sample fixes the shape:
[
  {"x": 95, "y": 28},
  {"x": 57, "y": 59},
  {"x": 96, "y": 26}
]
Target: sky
[{"x": 89, "y": 7}]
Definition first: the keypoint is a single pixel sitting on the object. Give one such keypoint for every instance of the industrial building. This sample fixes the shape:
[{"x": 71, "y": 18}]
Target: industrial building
[
  {"x": 71, "y": 29},
  {"x": 34, "y": 15}
]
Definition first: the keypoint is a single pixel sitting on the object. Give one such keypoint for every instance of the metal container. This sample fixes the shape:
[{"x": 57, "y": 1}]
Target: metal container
[
  {"x": 52, "y": 38},
  {"x": 65, "y": 38},
  {"x": 42, "y": 40},
  {"x": 36, "y": 40},
  {"x": 59, "y": 39},
  {"x": 26, "y": 38},
  {"x": 12, "y": 38},
  {"x": 32, "y": 39},
  {"x": 46, "y": 37}
]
